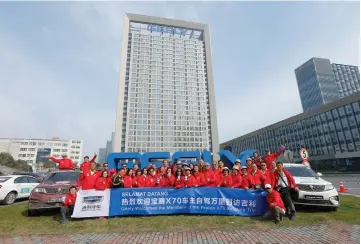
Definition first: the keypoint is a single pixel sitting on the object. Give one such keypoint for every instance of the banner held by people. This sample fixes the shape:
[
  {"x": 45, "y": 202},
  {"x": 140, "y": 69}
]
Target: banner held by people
[
  {"x": 91, "y": 203},
  {"x": 155, "y": 201}
]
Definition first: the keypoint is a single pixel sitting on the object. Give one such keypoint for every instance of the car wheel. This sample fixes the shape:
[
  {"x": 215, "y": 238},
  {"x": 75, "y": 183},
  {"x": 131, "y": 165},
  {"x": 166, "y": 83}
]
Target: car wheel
[
  {"x": 32, "y": 213},
  {"x": 10, "y": 198}
]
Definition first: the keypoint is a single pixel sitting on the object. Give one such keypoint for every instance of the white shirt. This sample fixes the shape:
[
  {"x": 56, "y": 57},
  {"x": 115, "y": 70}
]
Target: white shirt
[{"x": 284, "y": 182}]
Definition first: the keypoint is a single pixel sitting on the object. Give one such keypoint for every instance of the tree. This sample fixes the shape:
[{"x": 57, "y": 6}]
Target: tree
[{"x": 7, "y": 160}]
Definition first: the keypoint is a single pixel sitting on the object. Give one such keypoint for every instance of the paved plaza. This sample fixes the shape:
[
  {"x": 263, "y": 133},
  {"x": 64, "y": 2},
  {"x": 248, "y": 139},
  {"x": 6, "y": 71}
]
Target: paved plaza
[{"x": 324, "y": 234}]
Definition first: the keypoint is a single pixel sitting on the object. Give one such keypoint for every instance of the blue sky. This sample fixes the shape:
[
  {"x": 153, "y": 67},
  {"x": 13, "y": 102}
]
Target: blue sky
[{"x": 59, "y": 61}]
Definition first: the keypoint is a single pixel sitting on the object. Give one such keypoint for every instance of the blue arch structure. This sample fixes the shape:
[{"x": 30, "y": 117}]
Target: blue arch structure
[
  {"x": 147, "y": 157},
  {"x": 114, "y": 158},
  {"x": 229, "y": 159}
]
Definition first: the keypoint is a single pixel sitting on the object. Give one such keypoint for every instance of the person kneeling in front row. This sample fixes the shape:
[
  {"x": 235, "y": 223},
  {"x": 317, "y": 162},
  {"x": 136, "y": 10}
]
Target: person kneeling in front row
[
  {"x": 68, "y": 204},
  {"x": 276, "y": 208}
]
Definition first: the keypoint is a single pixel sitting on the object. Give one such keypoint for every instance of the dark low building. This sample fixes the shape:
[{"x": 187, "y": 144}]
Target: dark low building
[{"x": 331, "y": 134}]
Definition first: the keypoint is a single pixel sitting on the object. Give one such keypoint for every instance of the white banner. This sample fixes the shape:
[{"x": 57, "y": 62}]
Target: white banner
[{"x": 91, "y": 203}]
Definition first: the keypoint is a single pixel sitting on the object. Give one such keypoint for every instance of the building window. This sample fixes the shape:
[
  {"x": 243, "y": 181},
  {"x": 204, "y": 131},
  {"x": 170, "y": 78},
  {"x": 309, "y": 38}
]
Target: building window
[
  {"x": 356, "y": 107},
  {"x": 340, "y": 136},
  {"x": 344, "y": 123},
  {"x": 334, "y": 113},
  {"x": 23, "y": 149},
  {"x": 355, "y": 134}
]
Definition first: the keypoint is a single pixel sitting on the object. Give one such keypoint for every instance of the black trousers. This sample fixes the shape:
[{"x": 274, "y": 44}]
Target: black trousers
[
  {"x": 286, "y": 198},
  {"x": 66, "y": 210}
]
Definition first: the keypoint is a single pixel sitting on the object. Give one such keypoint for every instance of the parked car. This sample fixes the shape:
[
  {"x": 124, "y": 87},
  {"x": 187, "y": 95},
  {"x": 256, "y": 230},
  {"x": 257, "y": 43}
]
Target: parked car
[
  {"x": 50, "y": 194},
  {"x": 14, "y": 187},
  {"x": 314, "y": 191},
  {"x": 39, "y": 176}
]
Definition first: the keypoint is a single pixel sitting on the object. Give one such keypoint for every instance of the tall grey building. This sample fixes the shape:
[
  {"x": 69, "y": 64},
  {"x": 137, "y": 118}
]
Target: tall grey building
[
  {"x": 347, "y": 79},
  {"x": 102, "y": 155},
  {"x": 316, "y": 83},
  {"x": 166, "y": 99}
]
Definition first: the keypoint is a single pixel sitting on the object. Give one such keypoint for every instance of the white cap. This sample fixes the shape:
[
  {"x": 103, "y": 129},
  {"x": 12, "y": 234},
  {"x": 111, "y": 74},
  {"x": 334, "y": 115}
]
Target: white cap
[
  {"x": 238, "y": 160},
  {"x": 267, "y": 186},
  {"x": 64, "y": 155}
]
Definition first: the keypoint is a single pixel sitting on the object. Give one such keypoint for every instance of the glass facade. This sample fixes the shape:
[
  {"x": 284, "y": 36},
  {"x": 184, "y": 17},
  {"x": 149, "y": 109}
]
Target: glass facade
[
  {"x": 320, "y": 82},
  {"x": 347, "y": 79},
  {"x": 166, "y": 91},
  {"x": 316, "y": 83},
  {"x": 329, "y": 132}
]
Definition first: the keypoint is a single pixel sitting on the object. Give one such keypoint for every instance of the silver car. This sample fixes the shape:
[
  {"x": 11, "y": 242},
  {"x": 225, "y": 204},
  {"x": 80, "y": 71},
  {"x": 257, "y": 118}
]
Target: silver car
[{"x": 314, "y": 191}]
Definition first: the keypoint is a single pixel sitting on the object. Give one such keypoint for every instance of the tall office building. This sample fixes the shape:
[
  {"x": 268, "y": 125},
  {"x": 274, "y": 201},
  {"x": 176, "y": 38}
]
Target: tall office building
[
  {"x": 316, "y": 83},
  {"x": 320, "y": 82},
  {"x": 166, "y": 99},
  {"x": 347, "y": 79}
]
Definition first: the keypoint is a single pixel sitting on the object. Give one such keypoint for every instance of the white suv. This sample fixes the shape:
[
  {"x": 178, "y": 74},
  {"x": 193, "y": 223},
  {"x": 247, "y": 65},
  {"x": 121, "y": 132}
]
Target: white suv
[{"x": 314, "y": 191}]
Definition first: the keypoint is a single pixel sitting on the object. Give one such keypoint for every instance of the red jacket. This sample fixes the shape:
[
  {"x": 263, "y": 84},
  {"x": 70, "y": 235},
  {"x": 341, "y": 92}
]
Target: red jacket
[
  {"x": 236, "y": 181},
  {"x": 151, "y": 181},
  {"x": 69, "y": 200},
  {"x": 200, "y": 178},
  {"x": 85, "y": 166},
  {"x": 272, "y": 157},
  {"x": 64, "y": 164},
  {"x": 179, "y": 182},
  {"x": 87, "y": 180},
  {"x": 225, "y": 181},
  {"x": 170, "y": 180},
  {"x": 162, "y": 181},
  {"x": 142, "y": 181},
  {"x": 111, "y": 172},
  {"x": 275, "y": 198},
  {"x": 269, "y": 177},
  {"x": 190, "y": 181},
  {"x": 210, "y": 178},
  {"x": 103, "y": 183},
  {"x": 290, "y": 179},
  {"x": 218, "y": 174},
  {"x": 258, "y": 177},
  {"x": 247, "y": 181},
  {"x": 128, "y": 181}
]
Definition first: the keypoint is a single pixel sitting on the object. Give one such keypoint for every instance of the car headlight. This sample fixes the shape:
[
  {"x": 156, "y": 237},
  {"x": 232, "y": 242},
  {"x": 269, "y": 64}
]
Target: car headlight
[
  {"x": 329, "y": 187},
  {"x": 39, "y": 190}
]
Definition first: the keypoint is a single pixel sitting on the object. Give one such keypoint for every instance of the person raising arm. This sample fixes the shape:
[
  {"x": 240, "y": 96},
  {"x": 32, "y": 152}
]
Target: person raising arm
[{"x": 65, "y": 163}]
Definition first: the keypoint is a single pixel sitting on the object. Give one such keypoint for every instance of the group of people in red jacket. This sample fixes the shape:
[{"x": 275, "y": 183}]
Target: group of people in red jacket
[
  {"x": 178, "y": 175},
  {"x": 259, "y": 173}
]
